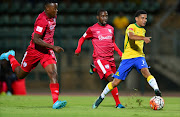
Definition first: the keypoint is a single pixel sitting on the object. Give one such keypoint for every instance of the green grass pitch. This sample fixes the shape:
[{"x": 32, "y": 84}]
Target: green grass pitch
[{"x": 80, "y": 106}]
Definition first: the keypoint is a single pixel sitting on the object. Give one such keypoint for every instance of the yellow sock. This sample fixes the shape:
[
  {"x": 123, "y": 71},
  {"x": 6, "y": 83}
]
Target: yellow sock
[
  {"x": 107, "y": 89},
  {"x": 149, "y": 78},
  {"x": 110, "y": 86},
  {"x": 152, "y": 82}
]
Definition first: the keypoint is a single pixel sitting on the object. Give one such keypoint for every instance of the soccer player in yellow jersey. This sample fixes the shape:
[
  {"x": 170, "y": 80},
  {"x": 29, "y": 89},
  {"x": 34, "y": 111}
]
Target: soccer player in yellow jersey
[{"x": 133, "y": 57}]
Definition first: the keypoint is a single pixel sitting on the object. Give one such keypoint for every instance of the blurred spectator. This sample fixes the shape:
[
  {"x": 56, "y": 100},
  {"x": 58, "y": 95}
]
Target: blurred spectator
[
  {"x": 7, "y": 75},
  {"x": 121, "y": 22}
]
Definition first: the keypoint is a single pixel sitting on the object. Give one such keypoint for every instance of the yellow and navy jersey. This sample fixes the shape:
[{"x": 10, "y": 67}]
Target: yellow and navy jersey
[{"x": 133, "y": 48}]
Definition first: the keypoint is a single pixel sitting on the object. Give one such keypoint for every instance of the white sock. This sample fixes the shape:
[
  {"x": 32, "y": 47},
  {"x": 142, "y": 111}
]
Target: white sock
[
  {"x": 152, "y": 82},
  {"x": 106, "y": 90}
]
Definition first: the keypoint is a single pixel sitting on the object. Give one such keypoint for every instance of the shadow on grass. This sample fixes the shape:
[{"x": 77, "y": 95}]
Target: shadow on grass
[{"x": 34, "y": 107}]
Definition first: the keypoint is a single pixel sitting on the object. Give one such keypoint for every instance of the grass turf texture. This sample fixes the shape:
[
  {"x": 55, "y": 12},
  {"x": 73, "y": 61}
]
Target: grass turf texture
[{"x": 81, "y": 106}]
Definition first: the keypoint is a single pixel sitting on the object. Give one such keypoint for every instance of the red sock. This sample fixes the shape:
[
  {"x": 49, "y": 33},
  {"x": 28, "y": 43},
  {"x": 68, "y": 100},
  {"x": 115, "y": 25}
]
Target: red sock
[
  {"x": 94, "y": 70},
  {"x": 14, "y": 63},
  {"x": 114, "y": 92},
  {"x": 54, "y": 91}
]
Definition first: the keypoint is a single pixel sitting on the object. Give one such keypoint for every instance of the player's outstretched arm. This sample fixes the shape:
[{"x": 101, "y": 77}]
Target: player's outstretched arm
[
  {"x": 38, "y": 40},
  {"x": 117, "y": 50},
  {"x": 80, "y": 42},
  {"x": 136, "y": 37}
]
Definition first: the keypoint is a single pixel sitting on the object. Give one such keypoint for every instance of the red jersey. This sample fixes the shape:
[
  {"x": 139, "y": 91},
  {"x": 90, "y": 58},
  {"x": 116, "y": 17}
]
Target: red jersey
[
  {"x": 43, "y": 26},
  {"x": 102, "y": 39}
]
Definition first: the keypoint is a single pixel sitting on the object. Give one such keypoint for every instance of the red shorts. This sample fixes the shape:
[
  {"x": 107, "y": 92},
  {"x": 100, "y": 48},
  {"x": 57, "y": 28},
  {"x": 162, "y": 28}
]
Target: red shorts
[
  {"x": 104, "y": 67},
  {"x": 32, "y": 57}
]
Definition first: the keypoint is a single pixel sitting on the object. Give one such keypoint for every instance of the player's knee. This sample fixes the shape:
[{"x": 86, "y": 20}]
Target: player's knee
[
  {"x": 110, "y": 78},
  {"x": 145, "y": 72},
  {"x": 52, "y": 73},
  {"x": 115, "y": 84}
]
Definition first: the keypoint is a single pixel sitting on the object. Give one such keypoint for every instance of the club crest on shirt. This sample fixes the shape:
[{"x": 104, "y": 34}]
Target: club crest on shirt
[
  {"x": 107, "y": 66},
  {"x": 110, "y": 31},
  {"x": 54, "y": 19},
  {"x": 51, "y": 27}
]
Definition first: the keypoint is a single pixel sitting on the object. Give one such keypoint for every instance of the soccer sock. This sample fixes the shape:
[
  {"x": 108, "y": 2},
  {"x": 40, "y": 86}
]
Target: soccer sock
[
  {"x": 54, "y": 91},
  {"x": 152, "y": 82},
  {"x": 94, "y": 70},
  {"x": 106, "y": 90},
  {"x": 114, "y": 92},
  {"x": 14, "y": 63}
]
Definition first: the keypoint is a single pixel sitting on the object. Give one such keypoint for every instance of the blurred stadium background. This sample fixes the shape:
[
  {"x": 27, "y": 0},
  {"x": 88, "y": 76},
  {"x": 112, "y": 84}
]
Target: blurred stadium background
[{"x": 17, "y": 18}]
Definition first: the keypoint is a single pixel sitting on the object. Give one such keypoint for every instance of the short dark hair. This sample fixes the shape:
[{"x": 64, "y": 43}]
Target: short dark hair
[
  {"x": 139, "y": 12},
  {"x": 50, "y": 1},
  {"x": 99, "y": 11}
]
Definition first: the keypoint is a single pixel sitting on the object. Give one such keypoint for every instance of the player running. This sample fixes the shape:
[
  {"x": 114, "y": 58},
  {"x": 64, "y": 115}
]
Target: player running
[
  {"x": 133, "y": 57},
  {"x": 103, "y": 40},
  {"x": 41, "y": 49}
]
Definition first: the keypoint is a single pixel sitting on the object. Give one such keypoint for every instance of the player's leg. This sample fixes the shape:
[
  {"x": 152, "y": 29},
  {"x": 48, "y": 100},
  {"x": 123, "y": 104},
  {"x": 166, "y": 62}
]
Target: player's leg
[
  {"x": 109, "y": 87},
  {"x": 120, "y": 75},
  {"x": 51, "y": 70},
  {"x": 141, "y": 65},
  {"x": 92, "y": 68},
  {"x": 49, "y": 64},
  {"x": 16, "y": 67},
  {"x": 114, "y": 92},
  {"x": 151, "y": 80}
]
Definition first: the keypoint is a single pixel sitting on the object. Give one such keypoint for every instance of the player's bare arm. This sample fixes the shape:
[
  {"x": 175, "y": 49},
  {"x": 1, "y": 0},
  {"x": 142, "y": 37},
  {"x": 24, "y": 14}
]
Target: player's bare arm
[
  {"x": 132, "y": 36},
  {"x": 38, "y": 40}
]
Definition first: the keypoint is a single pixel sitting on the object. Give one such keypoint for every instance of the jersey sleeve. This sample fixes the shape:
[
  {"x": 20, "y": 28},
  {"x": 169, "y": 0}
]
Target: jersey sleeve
[
  {"x": 115, "y": 46},
  {"x": 130, "y": 28},
  {"x": 40, "y": 26},
  {"x": 88, "y": 34}
]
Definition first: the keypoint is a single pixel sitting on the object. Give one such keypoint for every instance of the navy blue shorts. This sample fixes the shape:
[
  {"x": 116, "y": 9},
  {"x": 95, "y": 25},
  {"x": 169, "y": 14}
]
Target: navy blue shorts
[{"x": 126, "y": 66}]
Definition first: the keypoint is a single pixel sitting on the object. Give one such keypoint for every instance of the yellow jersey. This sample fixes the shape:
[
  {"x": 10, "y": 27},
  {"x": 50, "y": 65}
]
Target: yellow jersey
[{"x": 133, "y": 48}]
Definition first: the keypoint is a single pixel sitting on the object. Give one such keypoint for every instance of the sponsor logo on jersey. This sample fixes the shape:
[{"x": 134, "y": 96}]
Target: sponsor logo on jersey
[{"x": 102, "y": 37}]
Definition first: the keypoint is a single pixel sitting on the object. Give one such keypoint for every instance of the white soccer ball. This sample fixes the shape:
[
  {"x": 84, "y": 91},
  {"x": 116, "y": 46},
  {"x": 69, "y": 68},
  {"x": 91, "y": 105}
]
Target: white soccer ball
[{"x": 156, "y": 103}]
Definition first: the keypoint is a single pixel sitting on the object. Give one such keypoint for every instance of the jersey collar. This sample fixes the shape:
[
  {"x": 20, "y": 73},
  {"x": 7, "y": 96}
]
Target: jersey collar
[
  {"x": 138, "y": 26},
  {"x": 100, "y": 25},
  {"x": 46, "y": 15}
]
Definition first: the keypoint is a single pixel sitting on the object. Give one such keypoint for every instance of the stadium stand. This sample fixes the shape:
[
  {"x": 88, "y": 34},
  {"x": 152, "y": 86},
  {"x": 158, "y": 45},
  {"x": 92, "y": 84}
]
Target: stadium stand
[{"x": 17, "y": 20}]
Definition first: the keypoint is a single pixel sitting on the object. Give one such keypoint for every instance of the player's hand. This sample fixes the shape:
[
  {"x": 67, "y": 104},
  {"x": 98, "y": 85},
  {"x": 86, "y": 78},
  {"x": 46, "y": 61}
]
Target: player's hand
[
  {"x": 77, "y": 51},
  {"x": 147, "y": 40},
  {"x": 58, "y": 49},
  {"x": 77, "y": 54}
]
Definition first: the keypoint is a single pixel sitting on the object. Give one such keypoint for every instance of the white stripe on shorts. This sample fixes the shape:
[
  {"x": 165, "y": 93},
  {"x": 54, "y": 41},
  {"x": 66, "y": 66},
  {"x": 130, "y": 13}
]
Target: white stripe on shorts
[{"x": 101, "y": 66}]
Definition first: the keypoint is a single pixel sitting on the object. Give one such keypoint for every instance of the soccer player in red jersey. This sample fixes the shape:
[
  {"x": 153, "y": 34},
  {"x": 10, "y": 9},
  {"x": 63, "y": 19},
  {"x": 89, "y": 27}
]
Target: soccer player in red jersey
[
  {"x": 41, "y": 49},
  {"x": 103, "y": 40}
]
